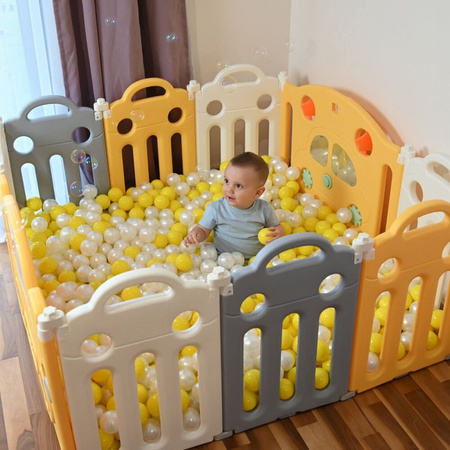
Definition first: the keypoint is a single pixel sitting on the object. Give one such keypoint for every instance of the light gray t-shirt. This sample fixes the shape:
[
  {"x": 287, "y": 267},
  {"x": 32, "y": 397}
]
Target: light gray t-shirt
[{"x": 236, "y": 230}]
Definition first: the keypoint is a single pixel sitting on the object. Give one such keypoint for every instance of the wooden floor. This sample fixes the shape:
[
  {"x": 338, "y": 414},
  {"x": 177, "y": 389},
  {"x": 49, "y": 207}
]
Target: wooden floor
[{"x": 408, "y": 413}]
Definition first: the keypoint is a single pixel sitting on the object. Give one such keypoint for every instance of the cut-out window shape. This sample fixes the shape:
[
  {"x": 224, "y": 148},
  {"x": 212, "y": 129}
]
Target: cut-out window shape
[
  {"x": 175, "y": 115},
  {"x": 239, "y": 136},
  {"x": 185, "y": 321},
  {"x": 308, "y": 108},
  {"x": 334, "y": 108},
  {"x": 95, "y": 345},
  {"x": 251, "y": 365},
  {"x": 319, "y": 150},
  {"x": 81, "y": 135},
  {"x": 264, "y": 101},
  {"x": 30, "y": 182},
  {"x": 263, "y": 137},
  {"x": 441, "y": 170},
  {"x": 342, "y": 165},
  {"x": 229, "y": 83},
  {"x": 330, "y": 284},
  {"x": 149, "y": 92},
  {"x": 363, "y": 142},
  {"x": 213, "y": 108},
  {"x": 23, "y": 145},
  {"x": 387, "y": 268},
  {"x": 125, "y": 126},
  {"x": 253, "y": 303}
]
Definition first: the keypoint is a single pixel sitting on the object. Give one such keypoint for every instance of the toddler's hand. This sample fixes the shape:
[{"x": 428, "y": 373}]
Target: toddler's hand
[{"x": 275, "y": 233}]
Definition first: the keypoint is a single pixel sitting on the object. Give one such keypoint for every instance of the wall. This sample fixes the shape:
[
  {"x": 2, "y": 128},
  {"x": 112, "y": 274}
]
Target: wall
[
  {"x": 238, "y": 31},
  {"x": 392, "y": 57}
]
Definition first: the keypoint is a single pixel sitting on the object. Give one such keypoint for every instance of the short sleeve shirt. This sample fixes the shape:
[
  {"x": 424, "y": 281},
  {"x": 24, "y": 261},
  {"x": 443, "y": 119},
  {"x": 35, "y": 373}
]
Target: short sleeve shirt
[{"x": 236, "y": 230}]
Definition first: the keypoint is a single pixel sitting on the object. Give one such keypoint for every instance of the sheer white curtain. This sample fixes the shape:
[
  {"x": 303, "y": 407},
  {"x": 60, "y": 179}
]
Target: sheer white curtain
[{"x": 30, "y": 65}]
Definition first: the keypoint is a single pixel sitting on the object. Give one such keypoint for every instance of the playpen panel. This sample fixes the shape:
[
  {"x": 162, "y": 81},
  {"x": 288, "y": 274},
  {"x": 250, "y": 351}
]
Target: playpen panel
[
  {"x": 238, "y": 92},
  {"x": 343, "y": 154},
  {"x": 138, "y": 326},
  {"x": 47, "y": 137},
  {"x": 288, "y": 288},
  {"x": 32, "y": 303},
  {"x": 406, "y": 249},
  {"x": 134, "y": 121},
  {"x": 425, "y": 179}
]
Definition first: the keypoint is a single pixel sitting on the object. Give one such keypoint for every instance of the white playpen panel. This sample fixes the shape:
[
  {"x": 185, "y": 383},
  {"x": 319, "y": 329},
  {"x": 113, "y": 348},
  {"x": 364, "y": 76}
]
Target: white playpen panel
[
  {"x": 138, "y": 326},
  {"x": 427, "y": 177},
  {"x": 237, "y": 100}
]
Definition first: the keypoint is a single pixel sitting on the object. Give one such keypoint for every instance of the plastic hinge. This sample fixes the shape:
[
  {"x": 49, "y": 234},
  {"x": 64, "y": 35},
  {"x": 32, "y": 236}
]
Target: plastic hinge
[
  {"x": 50, "y": 319},
  {"x": 363, "y": 247},
  {"x": 407, "y": 152}
]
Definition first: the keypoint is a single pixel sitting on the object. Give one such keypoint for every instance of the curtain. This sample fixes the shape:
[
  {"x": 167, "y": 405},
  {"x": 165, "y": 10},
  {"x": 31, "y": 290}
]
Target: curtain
[{"x": 106, "y": 45}]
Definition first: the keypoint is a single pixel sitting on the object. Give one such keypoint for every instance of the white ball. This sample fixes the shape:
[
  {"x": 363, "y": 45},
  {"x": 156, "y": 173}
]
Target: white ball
[{"x": 344, "y": 215}]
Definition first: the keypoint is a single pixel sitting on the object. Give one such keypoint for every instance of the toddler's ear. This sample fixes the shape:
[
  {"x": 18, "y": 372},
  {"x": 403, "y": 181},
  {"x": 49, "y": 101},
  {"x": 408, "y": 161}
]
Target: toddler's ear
[{"x": 259, "y": 191}]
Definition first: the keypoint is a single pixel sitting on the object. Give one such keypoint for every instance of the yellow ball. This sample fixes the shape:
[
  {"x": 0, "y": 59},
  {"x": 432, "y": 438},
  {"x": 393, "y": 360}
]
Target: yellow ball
[
  {"x": 101, "y": 226},
  {"x": 224, "y": 164},
  {"x": 262, "y": 238},
  {"x": 310, "y": 223},
  {"x": 161, "y": 201},
  {"x": 323, "y": 211},
  {"x": 153, "y": 405},
  {"x": 76, "y": 221},
  {"x": 51, "y": 285},
  {"x": 251, "y": 380},
  {"x": 436, "y": 318},
  {"x": 415, "y": 292},
  {"x": 327, "y": 317},
  {"x": 189, "y": 350},
  {"x": 381, "y": 315},
  {"x": 180, "y": 323},
  {"x": 119, "y": 266},
  {"x": 332, "y": 218},
  {"x": 292, "y": 375},
  {"x": 67, "y": 275},
  {"x": 106, "y": 439},
  {"x": 34, "y": 203},
  {"x": 331, "y": 235},
  {"x": 48, "y": 264},
  {"x": 216, "y": 188},
  {"x": 139, "y": 367},
  {"x": 111, "y": 403},
  {"x": 286, "y": 389},
  {"x": 125, "y": 202},
  {"x": 287, "y": 228},
  {"x": 174, "y": 205},
  {"x": 56, "y": 211},
  {"x": 432, "y": 340},
  {"x": 161, "y": 240},
  {"x": 38, "y": 250},
  {"x": 101, "y": 376},
  {"x": 383, "y": 301},
  {"x": 130, "y": 293},
  {"x": 376, "y": 341},
  {"x": 175, "y": 237},
  {"x": 96, "y": 392},
  {"x": 103, "y": 200},
  {"x": 120, "y": 212},
  {"x": 401, "y": 351},
  {"x": 193, "y": 194},
  {"x": 152, "y": 261},
  {"x": 323, "y": 351},
  {"x": 76, "y": 241},
  {"x": 286, "y": 192},
  {"x": 293, "y": 185},
  {"x": 132, "y": 251},
  {"x": 248, "y": 305},
  {"x": 305, "y": 250},
  {"x": 143, "y": 411},
  {"x": 157, "y": 184},
  {"x": 183, "y": 262},
  {"x": 327, "y": 365},
  {"x": 145, "y": 200},
  {"x": 114, "y": 194},
  {"x": 321, "y": 226},
  {"x": 288, "y": 204},
  {"x": 321, "y": 379},
  {"x": 286, "y": 339},
  {"x": 339, "y": 227},
  {"x": 136, "y": 212},
  {"x": 184, "y": 399},
  {"x": 169, "y": 191},
  {"x": 202, "y": 187},
  {"x": 249, "y": 400},
  {"x": 288, "y": 255},
  {"x": 179, "y": 227}
]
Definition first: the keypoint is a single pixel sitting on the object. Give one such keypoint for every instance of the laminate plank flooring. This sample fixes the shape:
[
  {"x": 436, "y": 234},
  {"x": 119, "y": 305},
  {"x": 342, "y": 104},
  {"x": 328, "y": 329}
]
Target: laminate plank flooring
[{"x": 412, "y": 412}]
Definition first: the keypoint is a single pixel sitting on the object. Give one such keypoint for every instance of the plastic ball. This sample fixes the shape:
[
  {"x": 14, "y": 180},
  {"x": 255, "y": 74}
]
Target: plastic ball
[
  {"x": 191, "y": 419},
  {"x": 151, "y": 430},
  {"x": 432, "y": 340},
  {"x": 344, "y": 215},
  {"x": 292, "y": 173},
  {"x": 372, "y": 362},
  {"x": 249, "y": 400},
  {"x": 262, "y": 236},
  {"x": 109, "y": 422},
  {"x": 287, "y": 360},
  {"x": 436, "y": 318},
  {"x": 322, "y": 378},
  {"x": 226, "y": 260},
  {"x": 287, "y": 389}
]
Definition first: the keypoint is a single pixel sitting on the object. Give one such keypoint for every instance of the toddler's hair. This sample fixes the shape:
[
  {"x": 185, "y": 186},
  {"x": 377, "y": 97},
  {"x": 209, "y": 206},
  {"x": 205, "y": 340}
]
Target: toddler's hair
[{"x": 249, "y": 159}]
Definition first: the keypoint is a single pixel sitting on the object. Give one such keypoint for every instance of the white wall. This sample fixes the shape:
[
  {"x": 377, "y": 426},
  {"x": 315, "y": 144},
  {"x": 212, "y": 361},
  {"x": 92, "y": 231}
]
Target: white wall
[
  {"x": 225, "y": 32},
  {"x": 393, "y": 57}
]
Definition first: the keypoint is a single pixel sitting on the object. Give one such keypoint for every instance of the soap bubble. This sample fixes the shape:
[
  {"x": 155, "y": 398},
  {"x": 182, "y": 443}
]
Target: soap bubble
[
  {"x": 78, "y": 156},
  {"x": 90, "y": 162},
  {"x": 110, "y": 21},
  {"x": 137, "y": 115},
  {"x": 222, "y": 64},
  {"x": 172, "y": 37},
  {"x": 261, "y": 52},
  {"x": 76, "y": 189},
  {"x": 229, "y": 83}
]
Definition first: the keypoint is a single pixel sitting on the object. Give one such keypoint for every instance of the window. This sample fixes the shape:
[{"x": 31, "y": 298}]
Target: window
[{"x": 30, "y": 65}]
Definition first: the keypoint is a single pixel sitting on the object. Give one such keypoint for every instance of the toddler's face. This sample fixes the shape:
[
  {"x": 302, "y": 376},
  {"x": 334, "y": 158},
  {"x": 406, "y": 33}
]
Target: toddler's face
[{"x": 241, "y": 186}]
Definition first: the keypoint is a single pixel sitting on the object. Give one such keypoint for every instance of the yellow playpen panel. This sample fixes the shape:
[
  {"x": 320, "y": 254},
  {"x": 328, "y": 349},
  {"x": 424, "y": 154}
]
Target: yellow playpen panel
[
  {"x": 133, "y": 122},
  {"x": 345, "y": 158},
  {"x": 32, "y": 304},
  {"x": 421, "y": 252}
]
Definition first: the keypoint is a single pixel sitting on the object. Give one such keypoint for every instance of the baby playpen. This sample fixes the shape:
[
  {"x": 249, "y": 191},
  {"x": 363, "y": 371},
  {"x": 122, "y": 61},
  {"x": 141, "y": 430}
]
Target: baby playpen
[{"x": 398, "y": 204}]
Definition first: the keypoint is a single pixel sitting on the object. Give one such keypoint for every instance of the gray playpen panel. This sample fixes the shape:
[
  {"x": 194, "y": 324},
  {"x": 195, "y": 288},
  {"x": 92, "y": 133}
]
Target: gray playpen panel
[
  {"x": 288, "y": 288},
  {"x": 54, "y": 135}
]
